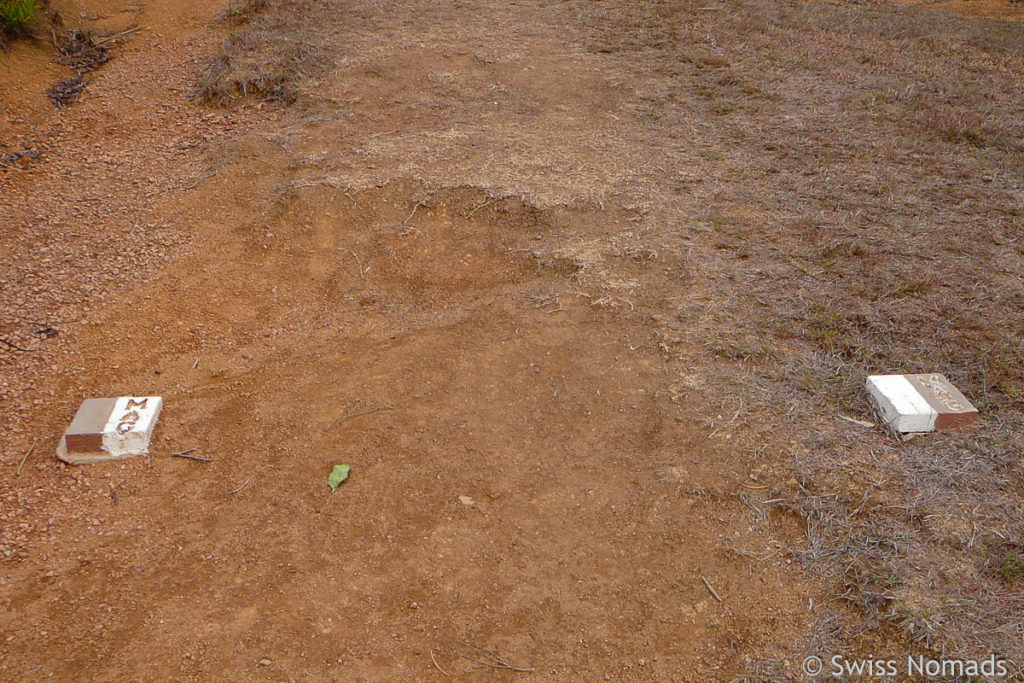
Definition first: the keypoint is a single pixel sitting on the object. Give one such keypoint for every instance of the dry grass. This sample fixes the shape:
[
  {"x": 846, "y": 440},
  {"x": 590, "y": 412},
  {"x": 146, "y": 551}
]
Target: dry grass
[
  {"x": 270, "y": 51},
  {"x": 864, "y": 161},
  {"x": 241, "y": 11}
]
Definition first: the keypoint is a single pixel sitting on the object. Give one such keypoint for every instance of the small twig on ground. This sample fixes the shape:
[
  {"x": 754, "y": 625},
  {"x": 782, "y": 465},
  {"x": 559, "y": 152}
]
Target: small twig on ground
[
  {"x": 862, "y": 423},
  {"x": 493, "y": 666},
  {"x": 10, "y": 345},
  {"x": 760, "y": 513},
  {"x": 118, "y": 35},
  {"x": 485, "y": 204},
  {"x": 22, "y": 463},
  {"x": 244, "y": 484},
  {"x": 196, "y": 364},
  {"x": 45, "y": 329},
  {"x": 497, "y": 663},
  {"x": 711, "y": 589},
  {"x": 194, "y": 185},
  {"x": 359, "y": 265},
  {"x": 185, "y": 454},
  {"x": 418, "y": 205},
  {"x": 164, "y": 223},
  {"x": 341, "y": 419},
  {"x": 438, "y": 665}
]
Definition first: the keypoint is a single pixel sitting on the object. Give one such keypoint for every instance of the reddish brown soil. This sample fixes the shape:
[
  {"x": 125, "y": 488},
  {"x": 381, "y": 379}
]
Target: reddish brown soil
[{"x": 522, "y": 479}]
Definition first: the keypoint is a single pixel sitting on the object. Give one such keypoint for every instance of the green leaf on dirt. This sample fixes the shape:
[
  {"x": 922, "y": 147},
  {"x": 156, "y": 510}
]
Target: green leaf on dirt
[{"x": 338, "y": 475}]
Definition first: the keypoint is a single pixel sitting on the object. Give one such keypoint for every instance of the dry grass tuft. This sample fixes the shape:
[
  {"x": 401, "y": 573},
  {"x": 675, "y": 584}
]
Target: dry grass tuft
[
  {"x": 244, "y": 11},
  {"x": 267, "y": 57}
]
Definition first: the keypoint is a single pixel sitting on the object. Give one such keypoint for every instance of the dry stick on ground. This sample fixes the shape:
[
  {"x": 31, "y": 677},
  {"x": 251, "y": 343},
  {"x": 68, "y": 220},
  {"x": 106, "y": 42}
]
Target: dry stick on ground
[
  {"x": 438, "y": 665},
  {"x": 473, "y": 212},
  {"x": 185, "y": 454},
  {"x": 418, "y": 205},
  {"x": 118, "y": 35},
  {"x": 22, "y": 463},
  {"x": 164, "y": 223},
  {"x": 359, "y": 265},
  {"x": 244, "y": 484},
  {"x": 862, "y": 423},
  {"x": 9, "y": 345},
  {"x": 498, "y": 663},
  {"x": 712, "y": 590},
  {"x": 191, "y": 457},
  {"x": 760, "y": 512},
  {"x": 335, "y": 423}
]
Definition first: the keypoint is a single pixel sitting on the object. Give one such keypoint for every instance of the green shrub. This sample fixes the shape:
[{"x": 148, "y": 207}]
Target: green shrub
[
  {"x": 17, "y": 15},
  {"x": 1011, "y": 566}
]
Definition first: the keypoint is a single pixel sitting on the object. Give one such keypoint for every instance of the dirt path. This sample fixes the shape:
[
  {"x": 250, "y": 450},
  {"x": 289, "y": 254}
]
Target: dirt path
[{"x": 436, "y": 269}]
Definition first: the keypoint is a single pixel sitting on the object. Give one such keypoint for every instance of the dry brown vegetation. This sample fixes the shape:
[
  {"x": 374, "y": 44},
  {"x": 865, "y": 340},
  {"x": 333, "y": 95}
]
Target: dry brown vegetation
[
  {"x": 266, "y": 54},
  {"x": 867, "y": 219},
  {"x": 80, "y": 51}
]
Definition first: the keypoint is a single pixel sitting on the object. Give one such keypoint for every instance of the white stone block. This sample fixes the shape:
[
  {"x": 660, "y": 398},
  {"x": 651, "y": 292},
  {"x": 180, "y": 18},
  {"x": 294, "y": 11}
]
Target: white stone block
[
  {"x": 920, "y": 403},
  {"x": 110, "y": 429}
]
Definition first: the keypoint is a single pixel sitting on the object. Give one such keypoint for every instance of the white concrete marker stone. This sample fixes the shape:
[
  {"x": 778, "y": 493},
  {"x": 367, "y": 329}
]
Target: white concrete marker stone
[
  {"x": 920, "y": 403},
  {"x": 110, "y": 429}
]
